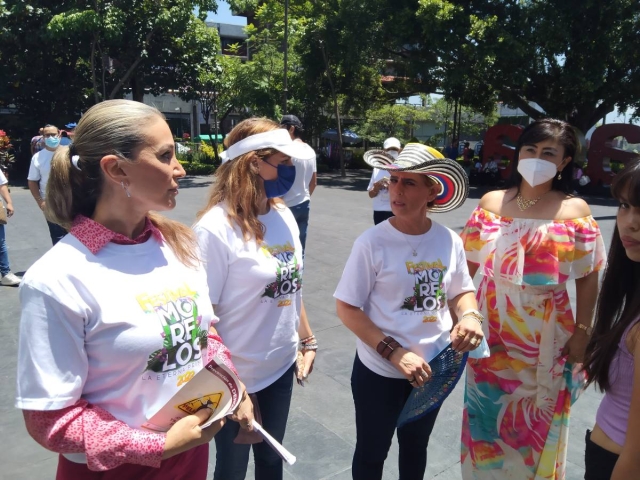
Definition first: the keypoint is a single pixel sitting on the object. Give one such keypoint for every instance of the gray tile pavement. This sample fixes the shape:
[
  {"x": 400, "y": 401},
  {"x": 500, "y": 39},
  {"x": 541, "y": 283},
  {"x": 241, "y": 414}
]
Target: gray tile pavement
[{"x": 321, "y": 431}]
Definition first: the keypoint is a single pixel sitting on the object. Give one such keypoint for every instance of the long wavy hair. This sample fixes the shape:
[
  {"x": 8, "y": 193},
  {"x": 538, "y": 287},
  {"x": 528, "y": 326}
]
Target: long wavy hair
[
  {"x": 548, "y": 129},
  {"x": 618, "y": 302},
  {"x": 113, "y": 127},
  {"x": 238, "y": 183}
]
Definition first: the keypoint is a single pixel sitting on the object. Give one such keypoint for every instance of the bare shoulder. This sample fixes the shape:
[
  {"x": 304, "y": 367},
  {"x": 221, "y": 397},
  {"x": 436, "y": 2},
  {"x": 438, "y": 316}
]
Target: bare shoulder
[
  {"x": 493, "y": 201},
  {"x": 573, "y": 207}
]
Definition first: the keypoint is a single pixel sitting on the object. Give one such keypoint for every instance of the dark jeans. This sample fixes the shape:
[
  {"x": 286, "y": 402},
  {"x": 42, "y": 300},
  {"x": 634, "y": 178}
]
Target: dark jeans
[
  {"x": 56, "y": 232},
  {"x": 380, "y": 216},
  {"x": 232, "y": 458},
  {"x": 301, "y": 214},
  {"x": 598, "y": 462},
  {"x": 379, "y": 401}
]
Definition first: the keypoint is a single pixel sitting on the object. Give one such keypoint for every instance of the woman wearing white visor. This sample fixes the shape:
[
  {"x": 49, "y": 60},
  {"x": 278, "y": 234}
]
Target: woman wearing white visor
[{"x": 250, "y": 244}]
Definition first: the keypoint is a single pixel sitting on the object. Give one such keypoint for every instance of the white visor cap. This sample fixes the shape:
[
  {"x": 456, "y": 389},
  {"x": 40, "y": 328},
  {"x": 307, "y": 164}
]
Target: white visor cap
[{"x": 278, "y": 139}]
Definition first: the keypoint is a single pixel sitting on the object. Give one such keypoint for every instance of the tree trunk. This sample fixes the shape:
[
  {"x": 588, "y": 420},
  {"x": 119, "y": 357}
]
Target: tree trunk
[
  {"x": 334, "y": 95},
  {"x": 137, "y": 89},
  {"x": 94, "y": 82}
]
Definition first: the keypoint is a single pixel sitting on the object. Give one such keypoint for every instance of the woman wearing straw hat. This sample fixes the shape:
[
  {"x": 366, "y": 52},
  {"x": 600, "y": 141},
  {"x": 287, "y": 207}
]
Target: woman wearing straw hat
[
  {"x": 250, "y": 243},
  {"x": 395, "y": 292}
]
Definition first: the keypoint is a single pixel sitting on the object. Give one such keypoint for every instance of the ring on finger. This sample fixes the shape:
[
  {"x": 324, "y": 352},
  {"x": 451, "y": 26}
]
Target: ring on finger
[
  {"x": 474, "y": 341},
  {"x": 412, "y": 379},
  {"x": 462, "y": 335}
]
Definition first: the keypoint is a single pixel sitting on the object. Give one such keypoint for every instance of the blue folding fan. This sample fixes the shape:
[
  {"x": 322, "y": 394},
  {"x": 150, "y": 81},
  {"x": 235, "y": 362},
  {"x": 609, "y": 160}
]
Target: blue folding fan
[{"x": 446, "y": 369}]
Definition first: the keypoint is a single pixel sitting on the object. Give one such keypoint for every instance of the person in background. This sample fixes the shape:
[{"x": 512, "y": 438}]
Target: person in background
[
  {"x": 298, "y": 197},
  {"x": 39, "y": 176},
  {"x": 64, "y": 139},
  {"x": 528, "y": 242},
  {"x": 7, "y": 278},
  {"x": 37, "y": 142},
  {"x": 452, "y": 151},
  {"x": 250, "y": 244},
  {"x": 379, "y": 184},
  {"x": 117, "y": 313},
  {"x": 612, "y": 359}
]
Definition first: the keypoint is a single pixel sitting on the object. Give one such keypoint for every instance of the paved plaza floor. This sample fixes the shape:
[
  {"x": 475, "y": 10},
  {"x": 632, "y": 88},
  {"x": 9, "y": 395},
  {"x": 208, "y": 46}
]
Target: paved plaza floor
[{"x": 321, "y": 431}]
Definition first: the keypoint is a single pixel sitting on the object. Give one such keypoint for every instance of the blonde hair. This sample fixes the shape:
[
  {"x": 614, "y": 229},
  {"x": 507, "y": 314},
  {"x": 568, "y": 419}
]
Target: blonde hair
[
  {"x": 113, "y": 127},
  {"x": 237, "y": 181}
]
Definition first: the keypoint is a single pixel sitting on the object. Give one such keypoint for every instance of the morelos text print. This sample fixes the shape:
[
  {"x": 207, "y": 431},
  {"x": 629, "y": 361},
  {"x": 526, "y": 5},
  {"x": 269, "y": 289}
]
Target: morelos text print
[
  {"x": 428, "y": 290},
  {"x": 288, "y": 271},
  {"x": 183, "y": 337}
]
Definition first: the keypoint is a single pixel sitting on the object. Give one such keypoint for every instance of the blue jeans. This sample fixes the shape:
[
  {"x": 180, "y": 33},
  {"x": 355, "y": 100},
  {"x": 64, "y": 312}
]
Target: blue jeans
[
  {"x": 56, "y": 232},
  {"x": 4, "y": 255},
  {"x": 232, "y": 458},
  {"x": 301, "y": 214},
  {"x": 379, "y": 401}
]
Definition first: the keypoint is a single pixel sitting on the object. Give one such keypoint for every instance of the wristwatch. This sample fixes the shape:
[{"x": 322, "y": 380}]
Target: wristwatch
[{"x": 587, "y": 330}]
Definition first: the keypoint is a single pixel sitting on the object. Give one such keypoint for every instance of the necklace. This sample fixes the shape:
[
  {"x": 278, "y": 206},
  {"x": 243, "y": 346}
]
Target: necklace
[
  {"x": 415, "y": 250},
  {"x": 523, "y": 203}
]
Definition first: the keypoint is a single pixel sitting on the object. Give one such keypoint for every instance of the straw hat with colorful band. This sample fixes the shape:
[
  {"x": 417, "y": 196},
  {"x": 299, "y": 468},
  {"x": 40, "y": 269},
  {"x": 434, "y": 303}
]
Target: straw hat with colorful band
[
  {"x": 278, "y": 139},
  {"x": 418, "y": 158}
]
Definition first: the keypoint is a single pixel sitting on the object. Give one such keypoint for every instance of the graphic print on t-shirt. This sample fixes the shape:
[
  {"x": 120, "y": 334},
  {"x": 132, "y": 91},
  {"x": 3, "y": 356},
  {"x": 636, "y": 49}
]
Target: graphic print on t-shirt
[
  {"x": 288, "y": 274},
  {"x": 183, "y": 339},
  {"x": 428, "y": 293}
]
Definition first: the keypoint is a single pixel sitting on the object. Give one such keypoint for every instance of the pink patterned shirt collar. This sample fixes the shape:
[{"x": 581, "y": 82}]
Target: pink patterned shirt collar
[{"x": 95, "y": 236}]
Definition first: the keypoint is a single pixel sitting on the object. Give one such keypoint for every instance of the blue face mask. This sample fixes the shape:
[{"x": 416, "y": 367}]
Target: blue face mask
[
  {"x": 52, "y": 142},
  {"x": 282, "y": 184}
]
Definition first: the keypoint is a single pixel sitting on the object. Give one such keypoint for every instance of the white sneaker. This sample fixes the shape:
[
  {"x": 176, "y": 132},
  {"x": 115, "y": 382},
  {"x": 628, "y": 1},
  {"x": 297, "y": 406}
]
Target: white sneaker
[{"x": 10, "y": 280}]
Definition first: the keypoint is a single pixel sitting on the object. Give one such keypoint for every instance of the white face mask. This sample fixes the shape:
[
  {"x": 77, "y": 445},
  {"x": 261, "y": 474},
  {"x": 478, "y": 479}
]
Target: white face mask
[
  {"x": 536, "y": 171},
  {"x": 393, "y": 153}
]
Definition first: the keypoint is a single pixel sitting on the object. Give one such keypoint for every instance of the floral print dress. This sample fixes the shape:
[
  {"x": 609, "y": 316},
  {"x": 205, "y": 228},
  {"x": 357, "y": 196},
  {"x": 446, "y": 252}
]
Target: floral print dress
[{"x": 517, "y": 401}]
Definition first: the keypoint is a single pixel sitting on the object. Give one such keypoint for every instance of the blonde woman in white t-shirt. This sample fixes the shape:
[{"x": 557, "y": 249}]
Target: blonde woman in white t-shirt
[
  {"x": 401, "y": 280},
  {"x": 250, "y": 243},
  {"x": 115, "y": 317}
]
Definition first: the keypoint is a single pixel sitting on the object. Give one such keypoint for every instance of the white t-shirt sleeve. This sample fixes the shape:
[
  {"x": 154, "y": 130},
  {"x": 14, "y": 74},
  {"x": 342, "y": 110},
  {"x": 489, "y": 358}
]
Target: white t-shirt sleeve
[
  {"x": 461, "y": 282},
  {"x": 314, "y": 164},
  {"x": 3, "y": 179},
  {"x": 215, "y": 256},
  {"x": 372, "y": 181},
  {"x": 52, "y": 360},
  {"x": 34, "y": 171},
  {"x": 358, "y": 277}
]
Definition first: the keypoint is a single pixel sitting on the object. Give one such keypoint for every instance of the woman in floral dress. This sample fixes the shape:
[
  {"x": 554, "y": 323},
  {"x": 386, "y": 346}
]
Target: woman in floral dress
[{"x": 528, "y": 241}]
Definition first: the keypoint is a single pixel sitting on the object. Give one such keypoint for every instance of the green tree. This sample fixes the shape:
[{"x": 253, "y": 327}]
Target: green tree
[
  {"x": 570, "y": 59},
  {"x": 62, "y": 57}
]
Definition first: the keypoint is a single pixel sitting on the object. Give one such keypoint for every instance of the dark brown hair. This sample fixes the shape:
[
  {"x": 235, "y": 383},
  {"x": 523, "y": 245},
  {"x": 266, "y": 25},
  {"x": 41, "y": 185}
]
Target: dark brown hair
[{"x": 618, "y": 302}]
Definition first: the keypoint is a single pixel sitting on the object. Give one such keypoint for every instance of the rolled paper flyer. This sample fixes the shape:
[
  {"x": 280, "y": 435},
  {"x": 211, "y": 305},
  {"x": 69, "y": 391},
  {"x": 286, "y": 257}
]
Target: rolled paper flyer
[{"x": 285, "y": 454}]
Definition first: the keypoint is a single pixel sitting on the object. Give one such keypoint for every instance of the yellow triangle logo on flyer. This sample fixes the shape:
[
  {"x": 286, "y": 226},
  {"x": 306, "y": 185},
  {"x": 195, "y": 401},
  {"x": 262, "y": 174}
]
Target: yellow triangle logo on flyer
[{"x": 211, "y": 400}]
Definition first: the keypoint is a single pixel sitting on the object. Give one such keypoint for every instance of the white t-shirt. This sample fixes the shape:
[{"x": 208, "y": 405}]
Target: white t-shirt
[
  {"x": 256, "y": 291},
  {"x": 305, "y": 168},
  {"x": 3, "y": 179},
  {"x": 405, "y": 296},
  {"x": 40, "y": 168},
  {"x": 121, "y": 329},
  {"x": 380, "y": 201}
]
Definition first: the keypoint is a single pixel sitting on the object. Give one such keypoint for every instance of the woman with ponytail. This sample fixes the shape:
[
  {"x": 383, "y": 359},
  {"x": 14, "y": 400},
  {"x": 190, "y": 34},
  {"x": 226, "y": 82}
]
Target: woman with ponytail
[{"x": 94, "y": 362}]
